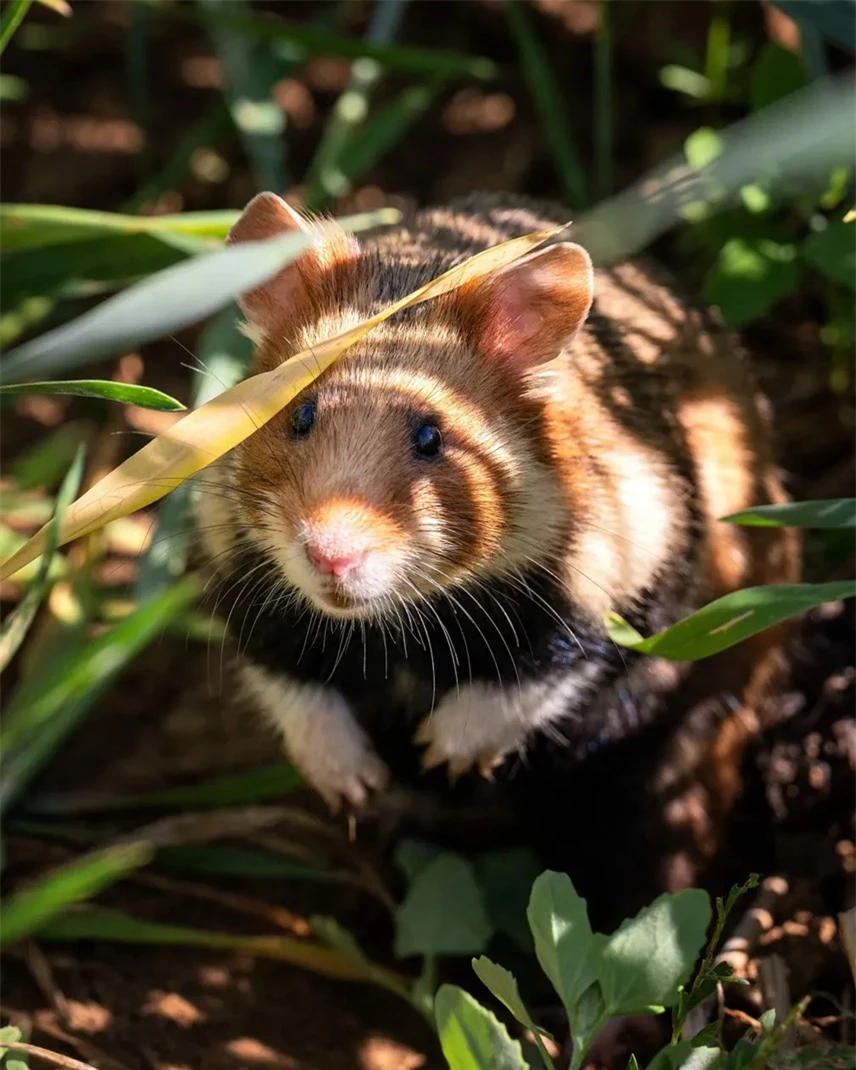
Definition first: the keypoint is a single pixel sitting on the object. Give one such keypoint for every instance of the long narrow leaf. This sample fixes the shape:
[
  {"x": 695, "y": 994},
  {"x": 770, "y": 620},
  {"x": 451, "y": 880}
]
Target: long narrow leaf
[
  {"x": 250, "y": 76},
  {"x": 34, "y": 907},
  {"x": 10, "y": 19},
  {"x": 126, "y": 393},
  {"x": 203, "y": 436},
  {"x": 730, "y": 620},
  {"x": 271, "y": 781},
  {"x": 827, "y": 513},
  {"x": 29, "y": 226},
  {"x": 17, "y": 624},
  {"x": 173, "y": 298},
  {"x": 321, "y": 42},
  {"x": 550, "y": 102},
  {"x": 42, "y": 713},
  {"x": 117, "y": 927}
]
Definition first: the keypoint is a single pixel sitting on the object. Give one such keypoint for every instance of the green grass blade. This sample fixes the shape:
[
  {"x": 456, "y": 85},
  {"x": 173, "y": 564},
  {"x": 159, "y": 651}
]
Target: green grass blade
[
  {"x": 174, "y": 298},
  {"x": 548, "y": 100},
  {"x": 325, "y": 177},
  {"x": 730, "y": 620},
  {"x": 46, "y": 461},
  {"x": 10, "y": 19},
  {"x": 235, "y": 862},
  {"x": 44, "y": 710},
  {"x": 250, "y": 76},
  {"x": 126, "y": 393},
  {"x": 826, "y": 513},
  {"x": 31, "y": 909},
  {"x": 315, "y": 41},
  {"x": 17, "y": 624},
  {"x": 117, "y": 927},
  {"x": 29, "y": 226},
  {"x": 385, "y": 128},
  {"x": 603, "y": 103},
  {"x": 269, "y": 782}
]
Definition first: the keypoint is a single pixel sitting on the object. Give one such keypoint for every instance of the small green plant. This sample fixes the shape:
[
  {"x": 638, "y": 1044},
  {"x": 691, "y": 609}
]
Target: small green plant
[{"x": 644, "y": 967}]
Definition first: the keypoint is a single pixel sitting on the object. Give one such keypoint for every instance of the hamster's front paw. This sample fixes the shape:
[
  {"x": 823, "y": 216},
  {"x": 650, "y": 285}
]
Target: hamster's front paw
[
  {"x": 469, "y": 729},
  {"x": 321, "y": 734},
  {"x": 336, "y": 757}
]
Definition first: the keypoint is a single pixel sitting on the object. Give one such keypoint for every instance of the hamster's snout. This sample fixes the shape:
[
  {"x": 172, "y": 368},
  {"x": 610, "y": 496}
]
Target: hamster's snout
[
  {"x": 337, "y": 563},
  {"x": 345, "y": 556}
]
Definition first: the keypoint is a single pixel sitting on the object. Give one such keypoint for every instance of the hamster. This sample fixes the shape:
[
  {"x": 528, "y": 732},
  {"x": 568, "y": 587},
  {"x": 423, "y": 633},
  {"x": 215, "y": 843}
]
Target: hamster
[{"x": 425, "y": 543}]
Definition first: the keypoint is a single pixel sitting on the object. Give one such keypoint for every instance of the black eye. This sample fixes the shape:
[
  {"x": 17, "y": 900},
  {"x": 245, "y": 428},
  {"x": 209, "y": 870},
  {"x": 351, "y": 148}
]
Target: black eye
[
  {"x": 303, "y": 419},
  {"x": 427, "y": 440}
]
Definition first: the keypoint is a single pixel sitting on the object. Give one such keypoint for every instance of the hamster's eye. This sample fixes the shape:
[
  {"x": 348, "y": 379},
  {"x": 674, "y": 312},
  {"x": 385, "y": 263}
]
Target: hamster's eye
[
  {"x": 427, "y": 440},
  {"x": 303, "y": 419}
]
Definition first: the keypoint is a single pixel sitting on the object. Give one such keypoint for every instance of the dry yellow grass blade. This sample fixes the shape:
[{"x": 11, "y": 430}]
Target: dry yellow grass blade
[{"x": 204, "y": 435}]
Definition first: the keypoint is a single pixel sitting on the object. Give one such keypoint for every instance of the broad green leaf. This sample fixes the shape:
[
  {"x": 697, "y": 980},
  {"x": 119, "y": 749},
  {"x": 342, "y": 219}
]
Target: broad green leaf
[
  {"x": 114, "y": 926},
  {"x": 645, "y": 961},
  {"x": 685, "y": 1056},
  {"x": 564, "y": 941},
  {"x": 173, "y": 298},
  {"x": 506, "y": 877},
  {"x": 412, "y": 856},
  {"x": 550, "y": 102},
  {"x": 268, "y": 782},
  {"x": 730, "y": 619},
  {"x": 749, "y": 276},
  {"x": 418, "y": 61},
  {"x": 424, "y": 924},
  {"x": 17, "y": 624},
  {"x": 126, "y": 393},
  {"x": 471, "y": 1037},
  {"x": 29, "y": 910},
  {"x": 824, "y": 513},
  {"x": 503, "y": 985},
  {"x": 43, "y": 711},
  {"x": 833, "y": 251},
  {"x": 204, "y": 435},
  {"x": 776, "y": 73},
  {"x": 29, "y": 226}
]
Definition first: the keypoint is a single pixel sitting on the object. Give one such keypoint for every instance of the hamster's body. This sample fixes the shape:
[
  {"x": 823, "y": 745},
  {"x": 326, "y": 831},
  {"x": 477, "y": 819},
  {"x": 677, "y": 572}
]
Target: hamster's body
[{"x": 400, "y": 608}]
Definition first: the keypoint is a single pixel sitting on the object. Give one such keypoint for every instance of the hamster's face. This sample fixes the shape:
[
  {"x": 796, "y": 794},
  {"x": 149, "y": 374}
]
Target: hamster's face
[
  {"x": 417, "y": 462},
  {"x": 396, "y": 475}
]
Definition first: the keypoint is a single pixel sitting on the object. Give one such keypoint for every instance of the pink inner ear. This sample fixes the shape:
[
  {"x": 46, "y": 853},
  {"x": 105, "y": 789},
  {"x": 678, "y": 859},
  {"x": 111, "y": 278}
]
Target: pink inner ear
[{"x": 533, "y": 308}]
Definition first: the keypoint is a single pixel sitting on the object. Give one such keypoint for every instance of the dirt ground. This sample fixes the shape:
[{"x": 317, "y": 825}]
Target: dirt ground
[{"x": 78, "y": 140}]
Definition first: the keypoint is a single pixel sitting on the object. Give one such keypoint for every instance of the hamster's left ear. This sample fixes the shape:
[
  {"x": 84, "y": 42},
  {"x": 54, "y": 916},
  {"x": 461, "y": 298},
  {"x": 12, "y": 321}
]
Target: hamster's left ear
[
  {"x": 282, "y": 298},
  {"x": 525, "y": 314}
]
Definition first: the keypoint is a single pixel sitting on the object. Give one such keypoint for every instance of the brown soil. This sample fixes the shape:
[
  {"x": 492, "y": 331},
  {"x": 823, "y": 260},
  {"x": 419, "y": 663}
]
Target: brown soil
[{"x": 171, "y": 720}]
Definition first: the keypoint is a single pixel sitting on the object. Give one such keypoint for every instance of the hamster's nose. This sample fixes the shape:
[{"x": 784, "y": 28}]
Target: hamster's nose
[{"x": 335, "y": 564}]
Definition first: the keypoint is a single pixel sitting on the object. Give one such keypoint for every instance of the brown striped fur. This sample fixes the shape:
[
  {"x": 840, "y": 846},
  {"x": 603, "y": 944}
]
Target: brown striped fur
[{"x": 609, "y": 464}]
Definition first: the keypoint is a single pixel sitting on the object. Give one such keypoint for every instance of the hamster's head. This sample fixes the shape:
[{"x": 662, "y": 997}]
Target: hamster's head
[{"x": 418, "y": 462}]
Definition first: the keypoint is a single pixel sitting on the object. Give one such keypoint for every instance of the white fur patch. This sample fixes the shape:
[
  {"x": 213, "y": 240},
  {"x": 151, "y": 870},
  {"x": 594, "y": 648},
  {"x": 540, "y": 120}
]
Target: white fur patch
[
  {"x": 321, "y": 736},
  {"x": 483, "y": 723}
]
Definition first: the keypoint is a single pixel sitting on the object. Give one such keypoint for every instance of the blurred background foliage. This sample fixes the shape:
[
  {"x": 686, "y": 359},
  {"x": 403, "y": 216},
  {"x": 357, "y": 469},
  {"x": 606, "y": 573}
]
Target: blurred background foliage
[{"x": 132, "y": 131}]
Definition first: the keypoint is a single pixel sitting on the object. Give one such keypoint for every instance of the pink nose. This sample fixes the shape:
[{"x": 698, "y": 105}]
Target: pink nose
[{"x": 335, "y": 564}]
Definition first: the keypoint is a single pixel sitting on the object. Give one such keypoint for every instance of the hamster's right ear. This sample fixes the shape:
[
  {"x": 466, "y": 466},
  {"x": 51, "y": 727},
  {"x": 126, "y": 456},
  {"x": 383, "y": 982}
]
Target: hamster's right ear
[{"x": 276, "y": 301}]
